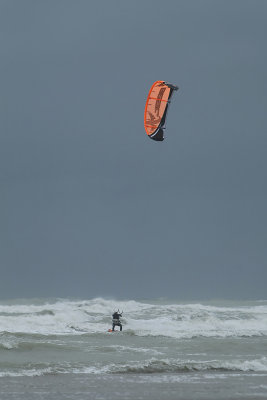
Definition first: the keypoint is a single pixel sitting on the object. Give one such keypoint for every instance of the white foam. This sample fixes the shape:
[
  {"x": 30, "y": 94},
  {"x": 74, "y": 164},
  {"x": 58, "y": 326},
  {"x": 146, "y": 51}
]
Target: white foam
[
  {"x": 172, "y": 320},
  {"x": 174, "y": 365},
  {"x": 153, "y": 365}
]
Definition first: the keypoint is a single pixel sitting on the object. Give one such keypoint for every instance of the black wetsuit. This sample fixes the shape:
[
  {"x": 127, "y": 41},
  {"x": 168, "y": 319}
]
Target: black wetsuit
[{"x": 116, "y": 320}]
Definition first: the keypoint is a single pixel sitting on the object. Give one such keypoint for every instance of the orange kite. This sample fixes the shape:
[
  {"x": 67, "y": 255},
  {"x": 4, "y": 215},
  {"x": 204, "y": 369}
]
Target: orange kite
[{"x": 158, "y": 100}]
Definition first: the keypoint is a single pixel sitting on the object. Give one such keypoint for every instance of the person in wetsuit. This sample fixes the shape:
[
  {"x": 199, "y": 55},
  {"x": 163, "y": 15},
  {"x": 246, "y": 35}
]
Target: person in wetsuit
[{"x": 116, "y": 320}]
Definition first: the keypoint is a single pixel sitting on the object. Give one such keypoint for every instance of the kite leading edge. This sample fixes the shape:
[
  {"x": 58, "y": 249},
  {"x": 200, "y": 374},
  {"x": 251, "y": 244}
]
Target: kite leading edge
[{"x": 158, "y": 100}]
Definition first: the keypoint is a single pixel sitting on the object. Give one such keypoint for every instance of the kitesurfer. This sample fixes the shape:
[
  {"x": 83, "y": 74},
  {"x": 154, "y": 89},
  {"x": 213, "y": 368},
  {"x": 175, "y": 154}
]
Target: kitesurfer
[{"x": 116, "y": 320}]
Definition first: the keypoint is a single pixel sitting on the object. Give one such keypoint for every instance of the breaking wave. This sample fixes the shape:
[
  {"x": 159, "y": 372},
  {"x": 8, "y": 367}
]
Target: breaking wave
[
  {"x": 166, "y": 365},
  {"x": 175, "y": 320},
  {"x": 65, "y": 336},
  {"x": 144, "y": 367}
]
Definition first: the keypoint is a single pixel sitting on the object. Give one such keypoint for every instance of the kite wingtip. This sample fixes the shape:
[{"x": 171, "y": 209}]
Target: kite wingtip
[{"x": 171, "y": 86}]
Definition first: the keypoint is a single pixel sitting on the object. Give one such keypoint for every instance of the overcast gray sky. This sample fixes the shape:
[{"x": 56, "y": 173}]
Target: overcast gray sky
[{"x": 89, "y": 205}]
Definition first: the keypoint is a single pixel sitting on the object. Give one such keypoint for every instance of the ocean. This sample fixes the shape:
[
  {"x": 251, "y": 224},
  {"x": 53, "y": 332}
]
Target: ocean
[{"x": 168, "y": 350}]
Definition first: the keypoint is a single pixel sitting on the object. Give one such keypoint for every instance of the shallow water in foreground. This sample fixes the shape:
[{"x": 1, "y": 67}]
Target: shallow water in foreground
[{"x": 61, "y": 349}]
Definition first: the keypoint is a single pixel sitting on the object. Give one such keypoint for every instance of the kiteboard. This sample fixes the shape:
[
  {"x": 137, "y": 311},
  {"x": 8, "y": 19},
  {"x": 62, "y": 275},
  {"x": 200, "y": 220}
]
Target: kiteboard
[{"x": 110, "y": 330}]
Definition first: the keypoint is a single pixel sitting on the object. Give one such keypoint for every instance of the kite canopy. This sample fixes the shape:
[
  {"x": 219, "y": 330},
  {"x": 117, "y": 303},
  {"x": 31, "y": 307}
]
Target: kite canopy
[{"x": 156, "y": 108}]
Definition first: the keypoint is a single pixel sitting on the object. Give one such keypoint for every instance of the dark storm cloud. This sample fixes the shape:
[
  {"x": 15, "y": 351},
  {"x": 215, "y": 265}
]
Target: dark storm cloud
[{"x": 89, "y": 205}]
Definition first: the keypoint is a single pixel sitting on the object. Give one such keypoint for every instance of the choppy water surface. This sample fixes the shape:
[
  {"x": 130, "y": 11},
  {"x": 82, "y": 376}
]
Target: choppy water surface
[{"x": 167, "y": 350}]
